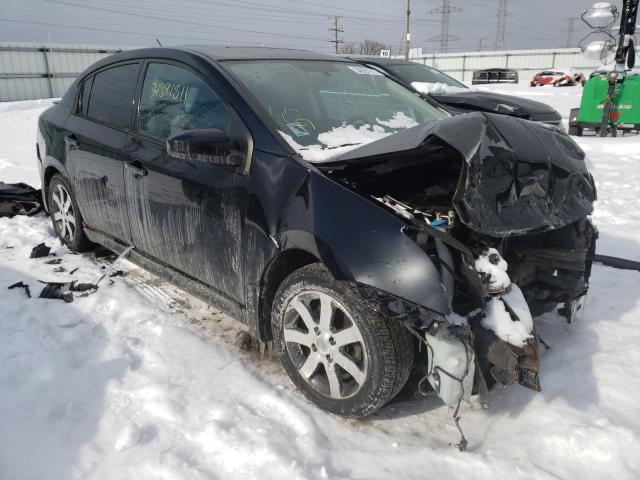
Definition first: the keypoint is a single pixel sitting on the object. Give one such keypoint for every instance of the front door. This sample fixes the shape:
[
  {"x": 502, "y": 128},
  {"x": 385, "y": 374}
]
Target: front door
[
  {"x": 187, "y": 214},
  {"x": 95, "y": 136}
]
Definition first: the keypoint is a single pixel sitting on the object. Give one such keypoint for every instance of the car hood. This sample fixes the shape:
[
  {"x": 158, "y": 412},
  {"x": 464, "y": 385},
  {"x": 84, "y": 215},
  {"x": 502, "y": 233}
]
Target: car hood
[
  {"x": 515, "y": 177},
  {"x": 494, "y": 102}
]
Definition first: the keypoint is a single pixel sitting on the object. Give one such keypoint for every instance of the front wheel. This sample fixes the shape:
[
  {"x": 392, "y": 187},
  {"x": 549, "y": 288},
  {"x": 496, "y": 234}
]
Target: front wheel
[
  {"x": 340, "y": 353},
  {"x": 65, "y": 215}
]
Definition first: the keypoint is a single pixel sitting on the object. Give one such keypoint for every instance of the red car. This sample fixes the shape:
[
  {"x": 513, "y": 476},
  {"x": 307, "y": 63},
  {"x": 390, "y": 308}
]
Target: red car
[{"x": 558, "y": 78}]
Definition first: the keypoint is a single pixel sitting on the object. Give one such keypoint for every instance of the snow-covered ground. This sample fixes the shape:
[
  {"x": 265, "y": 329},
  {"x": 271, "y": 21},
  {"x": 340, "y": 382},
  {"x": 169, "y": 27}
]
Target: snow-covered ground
[{"x": 140, "y": 380}]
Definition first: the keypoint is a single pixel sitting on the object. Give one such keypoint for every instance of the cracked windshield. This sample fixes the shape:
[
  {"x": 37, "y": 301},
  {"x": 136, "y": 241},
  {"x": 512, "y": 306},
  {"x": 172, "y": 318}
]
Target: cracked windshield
[{"x": 324, "y": 109}]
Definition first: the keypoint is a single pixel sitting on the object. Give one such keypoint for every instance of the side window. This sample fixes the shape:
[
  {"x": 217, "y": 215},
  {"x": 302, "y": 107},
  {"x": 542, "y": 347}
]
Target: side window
[
  {"x": 175, "y": 99},
  {"x": 112, "y": 94}
]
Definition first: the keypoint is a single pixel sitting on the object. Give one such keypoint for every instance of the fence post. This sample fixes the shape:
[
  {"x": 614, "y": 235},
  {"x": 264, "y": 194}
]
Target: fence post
[
  {"x": 553, "y": 60},
  {"x": 506, "y": 61},
  {"x": 46, "y": 65},
  {"x": 464, "y": 66}
]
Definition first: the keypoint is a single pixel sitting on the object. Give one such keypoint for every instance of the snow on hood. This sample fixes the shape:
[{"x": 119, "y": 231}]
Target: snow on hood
[
  {"x": 427, "y": 87},
  {"x": 346, "y": 137}
]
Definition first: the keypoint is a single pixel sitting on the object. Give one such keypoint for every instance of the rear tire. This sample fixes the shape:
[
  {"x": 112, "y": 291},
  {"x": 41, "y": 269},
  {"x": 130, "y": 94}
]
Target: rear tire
[
  {"x": 349, "y": 362},
  {"x": 65, "y": 215}
]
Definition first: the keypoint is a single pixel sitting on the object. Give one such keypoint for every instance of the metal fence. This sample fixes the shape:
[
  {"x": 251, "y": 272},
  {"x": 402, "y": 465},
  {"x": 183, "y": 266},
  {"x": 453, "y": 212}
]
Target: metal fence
[
  {"x": 527, "y": 62},
  {"x": 34, "y": 70}
]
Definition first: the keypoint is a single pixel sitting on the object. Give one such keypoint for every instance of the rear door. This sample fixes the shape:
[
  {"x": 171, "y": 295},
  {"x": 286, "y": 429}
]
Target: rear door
[
  {"x": 95, "y": 137},
  {"x": 187, "y": 214}
]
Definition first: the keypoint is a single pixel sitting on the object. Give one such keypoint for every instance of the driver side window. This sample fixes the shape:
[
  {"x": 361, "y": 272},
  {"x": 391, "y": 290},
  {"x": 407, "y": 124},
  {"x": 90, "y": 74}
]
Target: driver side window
[{"x": 175, "y": 99}]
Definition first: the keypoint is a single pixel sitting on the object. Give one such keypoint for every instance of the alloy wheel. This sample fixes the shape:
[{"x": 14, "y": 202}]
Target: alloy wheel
[
  {"x": 63, "y": 214},
  {"x": 325, "y": 344}
]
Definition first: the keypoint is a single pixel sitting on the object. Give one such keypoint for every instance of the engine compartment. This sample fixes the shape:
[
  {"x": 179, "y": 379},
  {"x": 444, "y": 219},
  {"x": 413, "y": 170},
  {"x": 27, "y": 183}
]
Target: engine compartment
[{"x": 505, "y": 222}]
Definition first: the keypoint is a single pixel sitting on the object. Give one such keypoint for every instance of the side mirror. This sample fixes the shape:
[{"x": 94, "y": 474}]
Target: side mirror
[{"x": 210, "y": 145}]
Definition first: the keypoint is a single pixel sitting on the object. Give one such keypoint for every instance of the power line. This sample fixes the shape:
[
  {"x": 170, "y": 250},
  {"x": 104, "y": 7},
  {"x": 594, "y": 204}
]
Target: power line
[
  {"x": 502, "y": 25},
  {"x": 337, "y": 30},
  {"x": 173, "y": 20},
  {"x": 444, "y": 38}
]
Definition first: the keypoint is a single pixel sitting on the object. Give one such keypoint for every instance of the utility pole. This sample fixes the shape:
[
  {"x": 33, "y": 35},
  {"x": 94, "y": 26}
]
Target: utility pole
[
  {"x": 570, "y": 31},
  {"x": 407, "y": 40},
  {"x": 444, "y": 38},
  {"x": 502, "y": 24},
  {"x": 337, "y": 30}
]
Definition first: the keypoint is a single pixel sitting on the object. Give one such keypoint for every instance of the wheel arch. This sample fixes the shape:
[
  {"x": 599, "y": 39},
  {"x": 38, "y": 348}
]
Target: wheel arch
[
  {"x": 280, "y": 267},
  {"x": 49, "y": 172}
]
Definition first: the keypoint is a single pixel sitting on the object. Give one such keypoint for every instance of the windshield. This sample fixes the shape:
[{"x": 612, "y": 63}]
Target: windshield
[
  {"x": 414, "y": 72},
  {"x": 325, "y": 108}
]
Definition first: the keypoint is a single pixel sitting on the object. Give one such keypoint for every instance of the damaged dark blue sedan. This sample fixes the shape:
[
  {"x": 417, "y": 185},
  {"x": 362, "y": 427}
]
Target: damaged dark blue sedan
[{"x": 376, "y": 240}]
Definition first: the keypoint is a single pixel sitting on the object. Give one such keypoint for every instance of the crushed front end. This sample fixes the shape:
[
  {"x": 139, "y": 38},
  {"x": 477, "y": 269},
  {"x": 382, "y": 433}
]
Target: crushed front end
[{"x": 501, "y": 208}]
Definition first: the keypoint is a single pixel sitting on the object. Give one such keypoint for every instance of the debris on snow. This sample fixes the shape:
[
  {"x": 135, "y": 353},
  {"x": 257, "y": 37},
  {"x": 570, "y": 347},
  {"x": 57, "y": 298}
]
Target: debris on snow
[
  {"x": 39, "y": 251},
  {"x": 21, "y": 285}
]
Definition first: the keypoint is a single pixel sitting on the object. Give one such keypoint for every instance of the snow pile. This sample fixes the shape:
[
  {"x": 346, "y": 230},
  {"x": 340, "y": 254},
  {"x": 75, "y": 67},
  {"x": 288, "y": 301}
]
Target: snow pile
[
  {"x": 427, "y": 88},
  {"x": 19, "y": 120}
]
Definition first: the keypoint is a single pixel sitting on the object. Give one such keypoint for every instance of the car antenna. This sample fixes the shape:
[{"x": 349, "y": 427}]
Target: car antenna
[{"x": 158, "y": 42}]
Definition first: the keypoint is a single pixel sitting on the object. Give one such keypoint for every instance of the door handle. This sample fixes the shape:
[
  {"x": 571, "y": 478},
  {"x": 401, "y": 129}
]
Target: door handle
[
  {"x": 71, "y": 140},
  {"x": 137, "y": 169}
]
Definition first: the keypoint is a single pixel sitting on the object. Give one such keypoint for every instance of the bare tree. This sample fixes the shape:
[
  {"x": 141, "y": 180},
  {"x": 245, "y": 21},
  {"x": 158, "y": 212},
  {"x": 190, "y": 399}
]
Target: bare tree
[
  {"x": 350, "y": 49},
  {"x": 371, "y": 47}
]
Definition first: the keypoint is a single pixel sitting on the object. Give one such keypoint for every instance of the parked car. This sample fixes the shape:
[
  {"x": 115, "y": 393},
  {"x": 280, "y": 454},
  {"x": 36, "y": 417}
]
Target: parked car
[
  {"x": 495, "y": 75},
  {"x": 558, "y": 78},
  {"x": 456, "y": 96},
  {"x": 331, "y": 210}
]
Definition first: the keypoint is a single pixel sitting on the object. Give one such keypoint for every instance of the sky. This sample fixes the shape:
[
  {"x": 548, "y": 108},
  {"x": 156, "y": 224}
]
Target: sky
[{"x": 288, "y": 23}]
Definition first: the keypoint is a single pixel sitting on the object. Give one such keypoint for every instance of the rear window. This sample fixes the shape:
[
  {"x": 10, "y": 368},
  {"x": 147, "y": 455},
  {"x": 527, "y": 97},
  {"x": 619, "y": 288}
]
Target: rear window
[{"x": 112, "y": 94}]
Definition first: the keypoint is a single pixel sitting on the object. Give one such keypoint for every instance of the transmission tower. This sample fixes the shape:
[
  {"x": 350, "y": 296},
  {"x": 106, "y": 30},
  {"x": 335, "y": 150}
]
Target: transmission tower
[
  {"x": 570, "y": 30},
  {"x": 337, "y": 30},
  {"x": 445, "y": 12},
  {"x": 502, "y": 24}
]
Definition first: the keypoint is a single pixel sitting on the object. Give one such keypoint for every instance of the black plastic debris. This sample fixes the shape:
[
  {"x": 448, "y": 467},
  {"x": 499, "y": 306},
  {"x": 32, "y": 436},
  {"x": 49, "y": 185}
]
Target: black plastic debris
[
  {"x": 40, "y": 251},
  {"x": 21, "y": 285},
  {"x": 59, "y": 269},
  {"x": 55, "y": 261},
  {"x": 57, "y": 291},
  {"x": 65, "y": 291},
  {"x": 74, "y": 270},
  {"x": 19, "y": 199}
]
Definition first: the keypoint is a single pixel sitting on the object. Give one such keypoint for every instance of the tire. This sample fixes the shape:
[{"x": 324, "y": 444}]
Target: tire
[
  {"x": 65, "y": 215},
  {"x": 354, "y": 338},
  {"x": 575, "y": 131}
]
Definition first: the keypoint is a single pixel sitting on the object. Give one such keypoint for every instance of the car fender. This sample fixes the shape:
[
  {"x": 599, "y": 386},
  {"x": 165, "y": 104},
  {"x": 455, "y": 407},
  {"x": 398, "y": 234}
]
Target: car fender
[{"x": 359, "y": 241}]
